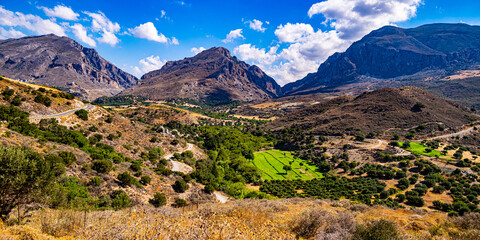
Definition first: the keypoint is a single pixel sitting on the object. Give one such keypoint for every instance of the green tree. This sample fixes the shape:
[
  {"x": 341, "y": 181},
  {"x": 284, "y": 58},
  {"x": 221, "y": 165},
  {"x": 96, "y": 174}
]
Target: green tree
[{"x": 24, "y": 177}]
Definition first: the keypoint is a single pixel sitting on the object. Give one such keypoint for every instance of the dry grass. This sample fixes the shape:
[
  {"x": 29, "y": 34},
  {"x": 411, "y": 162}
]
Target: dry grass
[{"x": 241, "y": 219}]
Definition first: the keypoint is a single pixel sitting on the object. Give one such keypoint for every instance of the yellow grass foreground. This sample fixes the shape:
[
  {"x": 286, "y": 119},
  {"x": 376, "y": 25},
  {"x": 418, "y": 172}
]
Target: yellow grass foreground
[{"x": 241, "y": 219}]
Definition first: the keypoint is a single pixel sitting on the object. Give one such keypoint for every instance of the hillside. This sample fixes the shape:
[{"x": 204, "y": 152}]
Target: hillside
[
  {"x": 212, "y": 75},
  {"x": 385, "y": 111},
  {"x": 392, "y": 56},
  {"x": 63, "y": 63}
]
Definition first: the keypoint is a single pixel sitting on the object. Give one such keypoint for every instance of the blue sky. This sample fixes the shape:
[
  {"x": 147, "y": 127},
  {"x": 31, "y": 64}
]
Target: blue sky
[{"x": 287, "y": 39}]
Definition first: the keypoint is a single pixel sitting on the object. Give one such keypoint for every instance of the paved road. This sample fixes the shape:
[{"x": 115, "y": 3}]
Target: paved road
[
  {"x": 66, "y": 113},
  {"x": 461, "y": 133}
]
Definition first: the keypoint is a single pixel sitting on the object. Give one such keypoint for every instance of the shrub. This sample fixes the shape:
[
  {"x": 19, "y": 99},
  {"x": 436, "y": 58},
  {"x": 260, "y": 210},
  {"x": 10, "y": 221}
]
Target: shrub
[
  {"x": 381, "y": 230},
  {"x": 360, "y": 137},
  {"x": 158, "y": 200},
  {"x": 109, "y": 119},
  {"x": 95, "y": 181},
  {"x": 17, "y": 101},
  {"x": 126, "y": 179},
  {"x": 209, "y": 188},
  {"x": 180, "y": 202},
  {"x": 82, "y": 114},
  {"x": 40, "y": 98},
  {"x": 400, "y": 198},
  {"x": 102, "y": 166},
  {"x": 145, "y": 180},
  {"x": 180, "y": 186},
  {"x": 418, "y": 107},
  {"x": 68, "y": 157},
  {"x": 120, "y": 199}
]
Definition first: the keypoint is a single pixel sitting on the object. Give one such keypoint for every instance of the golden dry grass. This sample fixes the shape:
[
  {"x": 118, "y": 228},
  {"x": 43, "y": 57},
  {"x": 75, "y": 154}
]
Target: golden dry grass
[{"x": 240, "y": 219}]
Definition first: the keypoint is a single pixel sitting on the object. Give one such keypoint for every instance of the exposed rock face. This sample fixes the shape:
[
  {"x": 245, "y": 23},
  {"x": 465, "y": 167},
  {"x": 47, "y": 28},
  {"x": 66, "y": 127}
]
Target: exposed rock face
[
  {"x": 392, "y": 52},
  {"x": 62, "y": 62},
  {"x": 210, "y": 75}
]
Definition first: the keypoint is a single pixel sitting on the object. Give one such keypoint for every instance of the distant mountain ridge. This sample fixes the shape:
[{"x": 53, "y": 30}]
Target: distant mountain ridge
[
  {"x": 210, "y": 75},
  {"x": 64, "y": 63},
  {"x": 393, "y": 53}
]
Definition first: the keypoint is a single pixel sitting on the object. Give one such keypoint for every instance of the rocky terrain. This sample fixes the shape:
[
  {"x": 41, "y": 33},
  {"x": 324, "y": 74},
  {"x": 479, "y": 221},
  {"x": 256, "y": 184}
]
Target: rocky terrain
[
  {"x": 62, "y": 62},
  {"x": 212, "y": 75}
]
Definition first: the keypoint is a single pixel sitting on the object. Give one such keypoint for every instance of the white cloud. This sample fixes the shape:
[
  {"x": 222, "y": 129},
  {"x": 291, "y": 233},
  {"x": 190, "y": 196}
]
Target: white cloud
[
  {"x": 355, "y": 18},
  {"x": 100, "y": 23},
  {"x": 12, "y": 33},
  {"x": 149, "y": 31},
  {"x": 148, "y": 64},
  {"x": 109, "y": 38},
  {"x": 247, "y": 52},
  {"x": 196, "y": 51},
  {"x": 256, "y": 25},
  {"x": 163, "y": 13},
  {"x": 293, "y": 32},
  {"x": 81, "y": 33},
  {"x": 31, "y": 22},
  {"x": 304, "y": 48},
  {"x": 232, "y": 35},
  {"x": 61, "y": 11},
  {"x": 174, "y": 41},
  {"x": 307, "y": 49}
]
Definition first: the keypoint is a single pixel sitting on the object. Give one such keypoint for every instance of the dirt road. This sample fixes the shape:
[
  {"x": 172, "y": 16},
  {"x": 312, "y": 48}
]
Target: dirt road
[{"x": 66, "y": 113}]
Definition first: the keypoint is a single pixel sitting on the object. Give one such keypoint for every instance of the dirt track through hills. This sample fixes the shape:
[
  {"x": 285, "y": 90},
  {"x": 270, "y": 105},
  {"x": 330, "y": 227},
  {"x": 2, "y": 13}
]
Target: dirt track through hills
[{"x": 66, "y": 113}]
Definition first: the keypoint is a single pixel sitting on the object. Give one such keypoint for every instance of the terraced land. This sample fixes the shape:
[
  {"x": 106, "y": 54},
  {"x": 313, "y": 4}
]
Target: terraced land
[{"x": 271, "y": 164}]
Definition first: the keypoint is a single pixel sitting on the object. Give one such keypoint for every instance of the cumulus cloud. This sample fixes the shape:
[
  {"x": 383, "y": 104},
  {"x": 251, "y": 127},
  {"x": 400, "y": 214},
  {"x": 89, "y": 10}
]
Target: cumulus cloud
[
  {"x": 304, "y": 48},
  {"x": 174, "y": 41},
  {"x": 256, "y": 25},
  {"x": 107, "y": 28},
  {"x": 293, "y": 32},
  {"x": 12, "y": 33},
  {"x": 196, "y": 51},
  {"x": 232, "y": 35},
  {"x": 301, "y": 57},
  {"x": 31, "y": 22},
  {"x": 100, "y": 22},
  {"x": 355, "y": 18},
  {"x": 61, "y": 11},
  {"x": 148, "y": 64},
  {"x": 109, "y": 38},
  {"x": 81, "y": 34},
  {"x": 257, "y": 56},
  {"x": 149, "y": 31}
]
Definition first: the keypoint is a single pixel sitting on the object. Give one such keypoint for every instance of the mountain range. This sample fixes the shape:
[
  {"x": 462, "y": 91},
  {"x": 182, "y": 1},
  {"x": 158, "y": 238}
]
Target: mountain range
[
  {"x": 212, "y": 75},
  {"x": 62, "y": 62},
  {"x": 392, "y": 56},
  {"x": 426, "y": 56}
]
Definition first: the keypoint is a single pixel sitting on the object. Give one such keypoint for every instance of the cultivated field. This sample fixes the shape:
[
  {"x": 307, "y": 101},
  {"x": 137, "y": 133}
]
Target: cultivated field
[{"x": 272, "y": 163}]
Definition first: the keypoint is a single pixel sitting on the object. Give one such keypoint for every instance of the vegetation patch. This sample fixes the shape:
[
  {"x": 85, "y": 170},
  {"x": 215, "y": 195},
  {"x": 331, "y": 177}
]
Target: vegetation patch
[
  {"x": 280, "y": 165},
  {"x": 422, "y": 149}
]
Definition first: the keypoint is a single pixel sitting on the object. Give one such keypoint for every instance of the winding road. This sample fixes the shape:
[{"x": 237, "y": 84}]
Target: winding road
[
  {"x": 66, "y": 113},
  {"x": 461, "y": 133},
  {"x": 178, "y": 166}
]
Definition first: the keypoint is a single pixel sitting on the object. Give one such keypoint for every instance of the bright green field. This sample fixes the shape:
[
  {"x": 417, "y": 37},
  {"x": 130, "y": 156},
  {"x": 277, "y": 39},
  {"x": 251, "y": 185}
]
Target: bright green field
[
  {"x": 420, "y": 149},
  {"x": 271, "y": 164}
]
